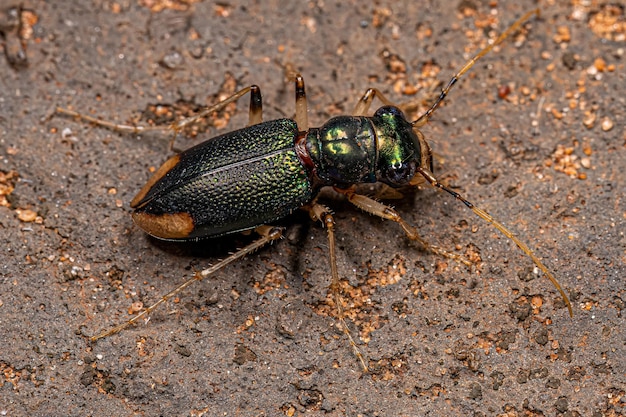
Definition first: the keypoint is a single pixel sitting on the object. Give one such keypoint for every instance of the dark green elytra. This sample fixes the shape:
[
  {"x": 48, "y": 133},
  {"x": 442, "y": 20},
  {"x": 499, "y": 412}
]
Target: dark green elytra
[{"x": 229, "y": 183}]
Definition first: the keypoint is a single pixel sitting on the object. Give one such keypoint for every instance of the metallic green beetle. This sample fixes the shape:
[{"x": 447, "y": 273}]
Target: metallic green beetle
[
  {"x": 262, "y": 173},
  {"x": 256, "y": 175}
]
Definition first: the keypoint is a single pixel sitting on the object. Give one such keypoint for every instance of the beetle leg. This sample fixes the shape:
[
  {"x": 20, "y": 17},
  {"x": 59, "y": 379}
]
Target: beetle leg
[
  {"x": 268, "y": 234},
  {"x": 363, "y": 106},
  {"x": 255, "y": 114},
  {"x": 302, "y": 112},
  {"x": 381, "y": 210},
  {"x": 321, "y": 213}
]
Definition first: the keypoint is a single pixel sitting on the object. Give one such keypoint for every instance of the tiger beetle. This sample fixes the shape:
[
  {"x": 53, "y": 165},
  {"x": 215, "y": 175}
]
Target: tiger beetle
[{"x": 254, "y": 176}]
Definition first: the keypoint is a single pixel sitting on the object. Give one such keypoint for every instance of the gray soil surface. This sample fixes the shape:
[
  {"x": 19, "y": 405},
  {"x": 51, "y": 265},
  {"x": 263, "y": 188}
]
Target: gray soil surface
[{"x": 535, "y": 134}]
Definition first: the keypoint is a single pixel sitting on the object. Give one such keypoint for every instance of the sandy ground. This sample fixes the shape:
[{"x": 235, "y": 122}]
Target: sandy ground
[{"x": 534, "y": 134}]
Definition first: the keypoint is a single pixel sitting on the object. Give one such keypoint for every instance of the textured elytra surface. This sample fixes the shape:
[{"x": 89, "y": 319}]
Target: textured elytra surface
[{"x": 255, "y": 339}]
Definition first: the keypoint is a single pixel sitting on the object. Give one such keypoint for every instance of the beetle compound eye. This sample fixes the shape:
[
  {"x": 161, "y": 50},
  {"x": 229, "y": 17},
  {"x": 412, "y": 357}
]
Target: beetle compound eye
[
  {"x": 399, "y": 174},
  {"x": 389, "y": 112}
]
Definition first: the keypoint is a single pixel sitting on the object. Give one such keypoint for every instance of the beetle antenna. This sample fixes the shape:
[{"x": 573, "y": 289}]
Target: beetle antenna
[
  {"x": 423, "y": 119},
  {"x": 506, "y": 232}
]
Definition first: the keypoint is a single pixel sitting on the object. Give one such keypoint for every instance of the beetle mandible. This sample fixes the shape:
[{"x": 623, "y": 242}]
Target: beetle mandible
[{"x": 249, "y": 178}]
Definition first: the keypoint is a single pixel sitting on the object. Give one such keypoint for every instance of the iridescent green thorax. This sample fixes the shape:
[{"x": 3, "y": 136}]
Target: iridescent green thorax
[{"x": 343, "y": 151}]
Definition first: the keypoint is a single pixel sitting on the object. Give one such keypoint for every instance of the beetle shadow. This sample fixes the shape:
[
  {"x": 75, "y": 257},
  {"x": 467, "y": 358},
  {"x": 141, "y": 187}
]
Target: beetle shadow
[
  {"x": 200, "y": 254},
  {"x": 205, "y": 249},
  {"x": 297, "y": 230}
]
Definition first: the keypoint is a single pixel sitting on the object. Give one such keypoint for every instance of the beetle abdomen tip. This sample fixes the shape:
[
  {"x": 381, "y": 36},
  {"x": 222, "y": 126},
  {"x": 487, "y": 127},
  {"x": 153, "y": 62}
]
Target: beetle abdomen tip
[{"x": 165, "y": 226}]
